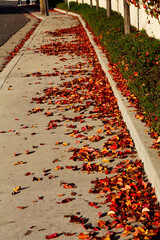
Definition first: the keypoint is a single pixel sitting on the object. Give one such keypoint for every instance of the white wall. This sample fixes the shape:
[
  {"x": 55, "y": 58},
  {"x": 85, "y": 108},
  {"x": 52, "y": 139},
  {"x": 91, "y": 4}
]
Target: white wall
[{"x": 152, "y": 28}]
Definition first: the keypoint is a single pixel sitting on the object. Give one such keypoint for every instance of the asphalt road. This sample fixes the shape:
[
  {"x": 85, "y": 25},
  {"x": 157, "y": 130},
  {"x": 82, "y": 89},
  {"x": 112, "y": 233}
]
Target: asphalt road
[{"x": 11, "y": 20}]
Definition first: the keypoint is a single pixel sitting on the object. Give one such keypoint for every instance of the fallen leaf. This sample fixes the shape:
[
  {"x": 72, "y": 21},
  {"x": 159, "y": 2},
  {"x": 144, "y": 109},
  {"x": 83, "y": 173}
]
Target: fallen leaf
[
  {"x": 83, "y": 236},
  {"x": 28, "y": 173},
  {"x": 22, "y": 207},
  {"x": 37, "y": 179},
  {"x": 65, "y": 144},
  {"x": 110, "y": 213},
  {"x": 69, "y": 234},
  {"x": 54, "y": 235},
  {"x": 61, "y": 195},
  {"x": 40, "y": 198},
  {"x": 66, "y": 200},
  {"x": 101, "y": 224},
  {"x": 59, "y": 168},
  {"x": 16, "y": 190},
  {"x": 18, "y": 163},
  {"x": 51, "y": 176}
]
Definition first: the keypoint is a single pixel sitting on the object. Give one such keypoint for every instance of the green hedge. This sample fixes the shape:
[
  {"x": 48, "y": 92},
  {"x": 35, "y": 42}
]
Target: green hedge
[{"x": 133, "y": 53}]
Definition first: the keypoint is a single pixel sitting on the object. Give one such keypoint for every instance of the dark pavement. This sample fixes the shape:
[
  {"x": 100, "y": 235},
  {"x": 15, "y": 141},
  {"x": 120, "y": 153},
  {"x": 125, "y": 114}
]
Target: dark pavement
[{"x": 11, "y": 20}]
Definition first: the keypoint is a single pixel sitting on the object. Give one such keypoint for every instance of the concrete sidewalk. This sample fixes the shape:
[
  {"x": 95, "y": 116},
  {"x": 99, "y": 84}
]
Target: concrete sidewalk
[{"x": 55, "y": 141}]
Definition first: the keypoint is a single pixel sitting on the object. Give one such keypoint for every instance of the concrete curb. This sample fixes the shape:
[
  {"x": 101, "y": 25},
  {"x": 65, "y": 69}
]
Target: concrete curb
[
  {"x": 9, "y": 67},
  {"x": 145, "y": 156}
]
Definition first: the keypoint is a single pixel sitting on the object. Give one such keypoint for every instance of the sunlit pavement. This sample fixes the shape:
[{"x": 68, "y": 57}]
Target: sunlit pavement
[{"x": 61, "y": 132}]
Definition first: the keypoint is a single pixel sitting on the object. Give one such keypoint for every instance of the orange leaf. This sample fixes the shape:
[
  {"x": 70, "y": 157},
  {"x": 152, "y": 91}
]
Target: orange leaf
[
  {"x": 100, "y": 130},
  {"x": 61, "y": 195},
  {"x": 51, "y": 176},
  {"x": 101, "y": 223},
  {"x": 47, "y": 113},
  {"x": 17, "y": 163},
  {"x": 83, "y": 236}
]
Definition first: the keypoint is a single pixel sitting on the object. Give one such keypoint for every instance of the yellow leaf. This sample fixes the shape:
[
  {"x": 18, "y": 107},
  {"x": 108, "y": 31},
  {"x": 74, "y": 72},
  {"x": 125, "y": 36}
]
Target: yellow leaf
[
  {"x": 141, "y": 230},
  {"x": 65, "y": 144},
  {"x": 17, "y": 163},
  {"x": 110, "y": 213},
  {"x": 107, "y": 238},
  {"x": 105, "y": 160},
  {"x": 17, "y": 189}
]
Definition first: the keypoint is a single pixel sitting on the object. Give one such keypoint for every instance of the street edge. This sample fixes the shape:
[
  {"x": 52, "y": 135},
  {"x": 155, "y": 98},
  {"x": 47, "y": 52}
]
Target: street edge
[
  {"x": 9, "y": 67},
  {"x": 141, "y": 149}
]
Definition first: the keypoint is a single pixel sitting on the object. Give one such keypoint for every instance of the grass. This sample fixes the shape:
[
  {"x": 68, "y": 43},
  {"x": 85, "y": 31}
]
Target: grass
[{"x": 137, "y": 56}]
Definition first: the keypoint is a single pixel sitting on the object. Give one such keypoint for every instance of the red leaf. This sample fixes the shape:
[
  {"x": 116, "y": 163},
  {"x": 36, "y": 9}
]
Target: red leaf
[
  {"x": 119, "y": 225},
  {"x": 113, "y": 147},
  {"x": 69, "y": 185},
  {"x": 93, "y": 204},
  {"x": 66, "y": 200},
  {"x": 28, "y": 173},
  {"x": 54, "y": 235}
]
